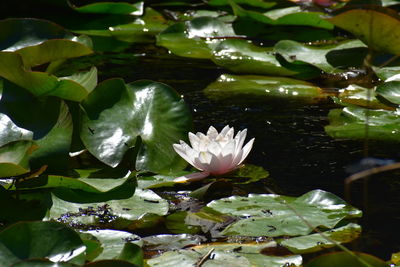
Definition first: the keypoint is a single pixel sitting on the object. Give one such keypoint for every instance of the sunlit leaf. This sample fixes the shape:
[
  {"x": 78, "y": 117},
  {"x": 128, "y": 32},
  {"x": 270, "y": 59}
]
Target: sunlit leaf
[
  {"x": 122, "y": 8},
  {"x": 262, "y": 88},
  {"x": 195, "y": 38},
  {"x": 390, "y": 91},
  {"x": 117, "y": 114},
  {"x": 242, "y": 56},
  {"x": 379, "y": 30},
  {"x": 273, "y": 215},
  {"x": 112, "y": 241},
  {"x": 141, "y": 203},
  {"x": 285, "y": 16},
  {"x": 329, "y": 58},
  {"x": 350, "y": 123},
  {"x": 51, "y": 240},
  {"x": 14, "y": 158},
  {"x": 360, "y": 96},
  {"x": 254, "y": 3},
  {"x": 10, "y": 132},
  {"x": 315, "y": 242}
]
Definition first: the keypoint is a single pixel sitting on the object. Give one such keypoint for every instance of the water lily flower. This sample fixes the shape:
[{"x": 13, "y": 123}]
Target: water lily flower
[{"x": 214, "y": 153}]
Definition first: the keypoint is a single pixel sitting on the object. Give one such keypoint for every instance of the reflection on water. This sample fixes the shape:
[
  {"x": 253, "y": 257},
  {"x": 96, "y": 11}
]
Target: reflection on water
[{"x": 290, "y": 142}]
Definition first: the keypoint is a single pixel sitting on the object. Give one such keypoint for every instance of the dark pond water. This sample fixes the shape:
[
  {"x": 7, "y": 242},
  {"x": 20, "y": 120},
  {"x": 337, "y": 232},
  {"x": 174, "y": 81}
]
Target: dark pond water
[{"x": 290, "y": 141}]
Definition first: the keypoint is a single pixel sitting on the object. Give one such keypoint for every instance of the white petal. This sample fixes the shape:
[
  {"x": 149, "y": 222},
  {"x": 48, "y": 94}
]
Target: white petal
[
  {"x": 185, "y": 151},
  {"x": 225, "y": 130},
  {"x": 240, "y": 137},
  {"x": 214, "y": 148},
  {"x": 220, "y": 165},
  {"x": 246, "y": 150},
  {"x": 191, "y": 177},
  {"x": 229, "y": 148},
  {"x": 212, "y": 133},
  {"x": 194, "y": 141}
]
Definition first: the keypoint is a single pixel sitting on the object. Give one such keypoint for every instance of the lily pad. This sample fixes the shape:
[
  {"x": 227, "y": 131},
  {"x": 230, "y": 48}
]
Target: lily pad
[
  {"x": 252, "y": 252},
  {"x": 319, "y": 56},
  {"x": 390, "y": 91},
  {"x": 10, "y": 132},
  {"x": 315, "y": 242},
  {"x": 82, "y": 190},
  {"x": 388, "y": 74},
  {"x": 141, "y": 203},
  {"x": 285, "y": 16},
  {"x": 51, "y": 240},
  {"x": 379, "y": 30},
  {"x": 273, "y": 215},
  {"x": 360, "y": 96},
  {"x": 14, "y": 158},
  {"x": 116, "y": 114},
  {"x": 141, "y": 30},
  {"x": 242, "y": 56},
  {"x": 254, "y": 3},
  {"x": 121, "y": 8},
  {"x": 262, "y": 88},
  {"x": 112, "y": 242},
  {"x": 195, "y": 38},
  {"x": 350, "y": 123}
]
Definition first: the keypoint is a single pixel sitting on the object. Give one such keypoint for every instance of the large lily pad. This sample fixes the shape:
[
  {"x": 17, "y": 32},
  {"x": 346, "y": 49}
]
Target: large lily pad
[
  {"x": 195, "y": 38},
  {"x": 51, "y": 240},
  {"x": 117, "y": 114},
  {"x": 379, "y": 30},
  {"x": 343, "y": 258},
  {"x": 329, "y": 58},
  {"x": 242, "y": 56},
  {"x": 273, "y": 215},
  {"x": 262, "y": 88},
  {"x": 390, "y": 91}
]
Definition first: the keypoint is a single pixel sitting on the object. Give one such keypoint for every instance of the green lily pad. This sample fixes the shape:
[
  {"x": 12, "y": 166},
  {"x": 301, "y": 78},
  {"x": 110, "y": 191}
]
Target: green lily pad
[
  {"x": 242, "y": 56},
  {"x": 112, "y": 242},
  {"x": 14, "y": 158},
  {"x": 390, "y": 91},
  {"x": 350, "y": 123},
  {"x": 273, "y": 215},
  {"x": 159, "y": 180},
  {"x": 388, "y": 74},
  {"x": 254, "y": 3},
  {"x": 141, "y": 30},
  {"x": 116, "y": 114},
  {"x": 262, "y": 88},
  {"x": 285, "y": 16},
  {"x": 190, "y": 258},
  {"x": 343, "y": 258},
  {"x": 315, "y": 242},
  {"x": 10, "y": 132},
  {"x": 141, "y": 203},
  {"x": 360, "y": 96},
  {"x": 379, "y": 30},
  {"x": 53, "y": 148},
  {"x": 82, "y": 190},
  {"x": 51, "y": 240},
  {"x": 121, "y": 8},
  {"x": 319, "y": 56},
  {"x": 42, "y": 263},
  {"x": 171, "y": 242},
  {"x": 195, "y": 38},
  {"x": 252, "y": 252}
]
